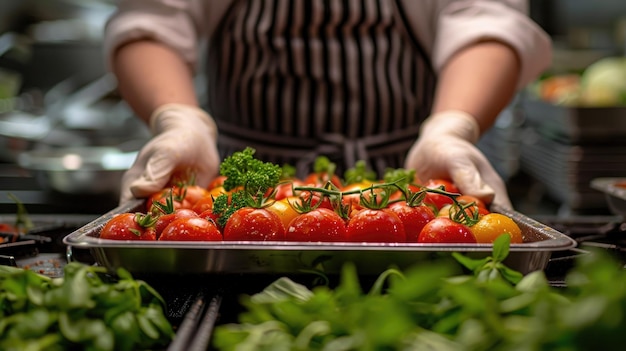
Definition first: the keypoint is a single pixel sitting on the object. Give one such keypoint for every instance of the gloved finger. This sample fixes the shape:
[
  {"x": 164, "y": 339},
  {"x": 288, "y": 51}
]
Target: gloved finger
[
  {"x": 155, "y": 176},
  {"x": 132, "y": 174},
  {"x": 475, "y": 176}
]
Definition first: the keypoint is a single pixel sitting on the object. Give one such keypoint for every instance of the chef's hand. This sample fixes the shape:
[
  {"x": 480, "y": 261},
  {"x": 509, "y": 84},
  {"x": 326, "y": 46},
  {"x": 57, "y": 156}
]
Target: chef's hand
[
  {"x": 184, "y": 140},
  {"x": 445, "y": 149}
]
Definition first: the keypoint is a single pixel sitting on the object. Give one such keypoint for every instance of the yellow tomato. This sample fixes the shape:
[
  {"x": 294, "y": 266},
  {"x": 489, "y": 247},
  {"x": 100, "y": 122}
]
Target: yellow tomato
[
  {"x": 492, "y": 225},
  {"x": 285, "y": 210}
]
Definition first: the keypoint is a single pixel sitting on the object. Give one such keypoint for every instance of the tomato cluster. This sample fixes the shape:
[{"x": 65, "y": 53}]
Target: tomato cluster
[{"x": 316, "y": 209}]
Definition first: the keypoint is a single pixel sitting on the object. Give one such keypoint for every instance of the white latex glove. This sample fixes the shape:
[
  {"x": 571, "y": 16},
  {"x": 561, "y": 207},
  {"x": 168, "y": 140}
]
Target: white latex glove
[
  {"x": 184, "y": 138},
  {"x": 445, "y": 149}
]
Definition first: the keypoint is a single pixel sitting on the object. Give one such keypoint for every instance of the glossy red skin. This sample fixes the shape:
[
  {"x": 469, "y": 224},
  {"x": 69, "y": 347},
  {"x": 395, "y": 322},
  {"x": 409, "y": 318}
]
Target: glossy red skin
[
  {"x": 124, "y": 227},
  {"x": 254, "y": 224},
  {"x": 191, "y": 229},
  {"x": 285, "y": 190},
  {"x": 162, "y": 197},
  {"x": 320, "y": 224},
  {"x": 320, "y": 179},
  {"x": 382, "y": 226},
  {"x": 398, "y": 195},
  {"x": 354, "y": 200},
  {"x": 304, "y": 195},
  {"x": 439, "y": 200},
  {"x": 217, "y": 181},
  {"x": 165, "y": 219},
  {"x": 209, "y": 215},
  {"x": 444, "y": 230},
  {"x": 413, "y": 217},
  {"x": 192, "y": 193}
]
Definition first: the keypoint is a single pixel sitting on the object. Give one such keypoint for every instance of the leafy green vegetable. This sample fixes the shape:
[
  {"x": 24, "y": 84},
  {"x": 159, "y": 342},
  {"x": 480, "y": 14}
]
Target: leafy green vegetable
[
  {"x": 435, "y": 306},
  {"x": 359, "y": 173},
  {"x": 81, "y": 310},
  {"x": 243, "y": 170}
]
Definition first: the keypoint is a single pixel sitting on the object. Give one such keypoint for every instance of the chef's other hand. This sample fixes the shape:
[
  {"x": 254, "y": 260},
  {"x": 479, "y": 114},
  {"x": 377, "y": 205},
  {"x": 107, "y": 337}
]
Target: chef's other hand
[
  {"x": 184, "y": 139},
  {"x": 445, "y": 149}
]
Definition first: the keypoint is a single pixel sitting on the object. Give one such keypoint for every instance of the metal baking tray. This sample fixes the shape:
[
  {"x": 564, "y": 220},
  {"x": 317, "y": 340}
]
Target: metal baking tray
[
  {"x": 614, "y": 189},
  {"x": 160, "y": 257}
]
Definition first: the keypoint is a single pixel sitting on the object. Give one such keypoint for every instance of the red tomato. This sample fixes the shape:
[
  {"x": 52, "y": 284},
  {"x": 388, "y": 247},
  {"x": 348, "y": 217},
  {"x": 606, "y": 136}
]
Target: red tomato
[
  {"x": 125, "y": 226},
  {"x": 285, "y": 189},
  {"x": 369, "y": 225},
  {"x": 305, "y": 195},
  {"x": 468, "y": 199},
  {"x": 445, "y": 230},
  {"x": 162, "y": 197},
  {"x": 209, "y": 215},
  {"x": 439, "y": 200},
  {"x": 206, "y": 202},
  {"x": 354, "y": 200},
  {"x": 217, "y": 181},
  {"x": 254, "y": 224},
  {"x": 399, "y": 195},
  {"x": 191, "y": 229},
  {"x": 165, "y": 219},
  {"x": 320, "y": 224},
  {"x": 413, "y": 217},
  {"x": 451, "y": 210},
  {"x": 192, "y": 193},
  {"x": 320, "y": 179}
]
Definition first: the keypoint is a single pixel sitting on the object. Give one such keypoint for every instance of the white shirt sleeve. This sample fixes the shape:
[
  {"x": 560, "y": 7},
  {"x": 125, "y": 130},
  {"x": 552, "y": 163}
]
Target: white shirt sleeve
[
  {"x": 444, "y": 27},
  {"x": 462, "y": 22},
  {"x": 176, "y": 23}
]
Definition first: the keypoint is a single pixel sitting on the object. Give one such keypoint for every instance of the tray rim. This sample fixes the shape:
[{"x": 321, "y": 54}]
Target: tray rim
[{"x": 81, "y": 239}]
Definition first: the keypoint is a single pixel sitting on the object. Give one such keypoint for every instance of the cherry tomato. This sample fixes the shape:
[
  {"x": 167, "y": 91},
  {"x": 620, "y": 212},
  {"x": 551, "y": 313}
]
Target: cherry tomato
[
  {"x": 206, "y": 202},
  {"x": 217, "y": 181},
  {"x": 467, "y": 199},
  {"x": 286, "y": 189},
  {"x": 163, "y": 195},
  {"x": 413, "y": 217},
  {"x": 492, "y": 225},
  {"x": 125, "y": 226},
  {"x": 191, "y": 229},
  {"x": 371, "y": 225},
  {"x": 354, "y": 200},
  {"x": 320, "y": 179},
  {"x": 439, "y": 200},
  {"x": 445, "y": 230},
  {"x": 165, "y": 219},
  {"x": 450, "y": 211},
  {"x": 320, "y": 224},
  {"x": 254, "y": 224},
  {"x": 399, "y": 195},
  {"x": 315, "y": 198},
  {"x": 192, "y": 193},
  {"x": 285, "y": 210},
  {"x": 209, "y": 215}
]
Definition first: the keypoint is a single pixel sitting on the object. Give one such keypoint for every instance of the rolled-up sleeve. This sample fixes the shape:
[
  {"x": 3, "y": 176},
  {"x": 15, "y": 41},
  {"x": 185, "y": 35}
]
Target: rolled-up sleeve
[
  {"x": 172, "y": 22},
  {"x": 462, "y": 23}
]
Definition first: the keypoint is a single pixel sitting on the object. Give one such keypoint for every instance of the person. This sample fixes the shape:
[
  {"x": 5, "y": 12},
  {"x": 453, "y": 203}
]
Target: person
[{"x": 397, "y": 83}]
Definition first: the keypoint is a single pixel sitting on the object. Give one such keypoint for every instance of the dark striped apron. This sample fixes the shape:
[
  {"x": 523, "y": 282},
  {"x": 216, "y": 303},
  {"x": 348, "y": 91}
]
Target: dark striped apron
[{"x": 295, "y": 79}]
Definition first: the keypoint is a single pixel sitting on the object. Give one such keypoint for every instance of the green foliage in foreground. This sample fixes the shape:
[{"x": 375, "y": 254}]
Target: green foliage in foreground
[
  {"x": 433, "y": 307},
  {"x": 84, "y": 310}
]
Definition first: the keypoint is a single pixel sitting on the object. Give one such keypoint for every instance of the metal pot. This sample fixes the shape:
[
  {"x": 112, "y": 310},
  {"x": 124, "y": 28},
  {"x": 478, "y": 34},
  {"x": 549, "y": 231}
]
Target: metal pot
[{"x": 78, "y": 170}]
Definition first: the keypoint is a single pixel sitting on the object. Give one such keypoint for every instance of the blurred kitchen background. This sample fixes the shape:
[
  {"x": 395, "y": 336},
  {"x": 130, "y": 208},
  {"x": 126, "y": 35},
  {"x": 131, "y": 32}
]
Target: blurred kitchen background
[{"x": 66, "y": 136}]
